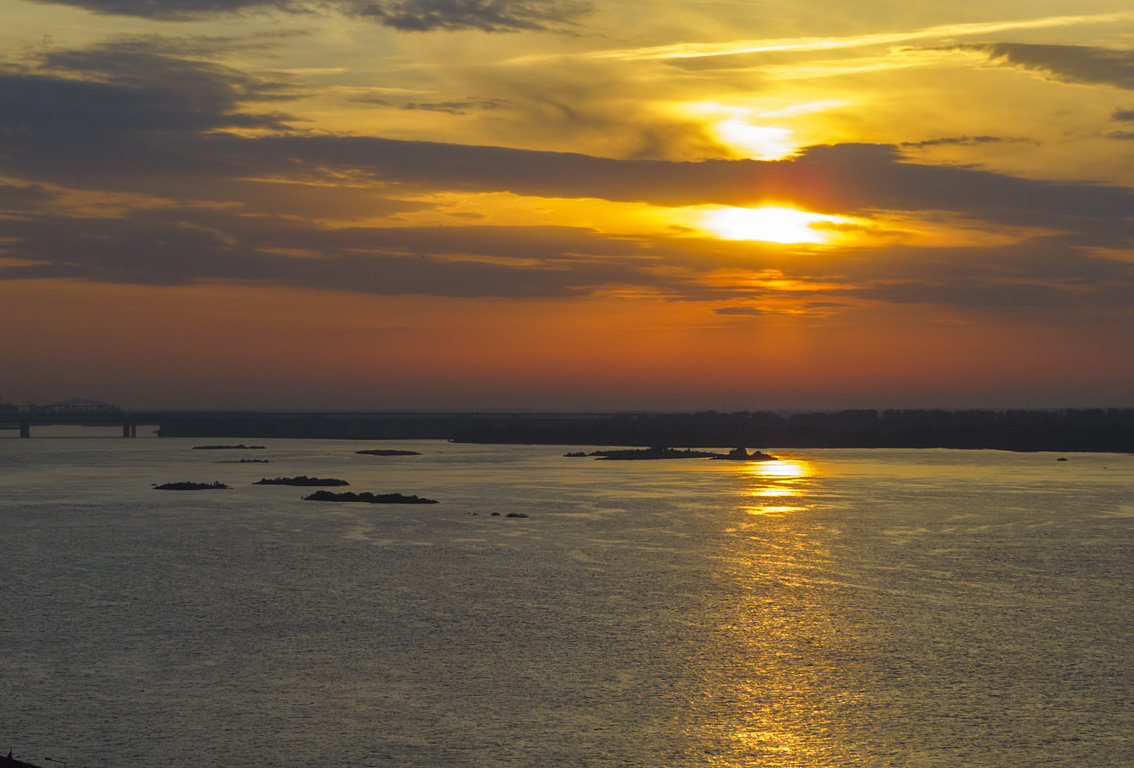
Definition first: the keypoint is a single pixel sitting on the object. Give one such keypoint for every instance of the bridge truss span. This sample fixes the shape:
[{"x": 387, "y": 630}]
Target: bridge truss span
[{"x": 78, "y": 411}]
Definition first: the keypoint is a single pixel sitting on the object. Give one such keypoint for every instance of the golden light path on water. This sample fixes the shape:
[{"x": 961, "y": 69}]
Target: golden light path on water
[
  {"x": 777, "y": 485},
  {"x": 779, "y": 698}
]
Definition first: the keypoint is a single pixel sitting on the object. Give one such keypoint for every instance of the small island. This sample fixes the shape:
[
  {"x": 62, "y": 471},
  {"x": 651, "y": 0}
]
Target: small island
[
  {"x": 241, "y": 447},
  {"x": 657, "y": 452},
  {"x": 741, "y": 454},
  {"x": 243, "y": 461},
  {"x": 369, "y": 498},
  {"x": 301, "y": 480},
  {"x": 388, "y": 452},
  {"x": 187, "y": 486},
  {"x": 648, "y": 454}
]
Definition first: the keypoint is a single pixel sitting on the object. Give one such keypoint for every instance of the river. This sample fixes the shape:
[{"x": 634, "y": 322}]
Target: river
[{"x": 868, "y": 608}]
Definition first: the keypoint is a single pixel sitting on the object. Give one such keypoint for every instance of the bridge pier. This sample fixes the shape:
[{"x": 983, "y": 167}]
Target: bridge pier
[
  {"x": 129, "y": 429},
  {"x": 25, "y": 429}
]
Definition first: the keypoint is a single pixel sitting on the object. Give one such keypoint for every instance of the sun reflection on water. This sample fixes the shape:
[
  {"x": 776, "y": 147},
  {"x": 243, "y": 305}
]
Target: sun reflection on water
[
  {"x": 778, "y": 486},
  {"x": 786, "y": 469},
  {"x": 776, "y": 693}
]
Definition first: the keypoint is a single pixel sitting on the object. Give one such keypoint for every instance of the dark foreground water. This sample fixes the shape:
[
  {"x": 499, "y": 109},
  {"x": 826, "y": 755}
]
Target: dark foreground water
[{"x": 922, "y": 609}]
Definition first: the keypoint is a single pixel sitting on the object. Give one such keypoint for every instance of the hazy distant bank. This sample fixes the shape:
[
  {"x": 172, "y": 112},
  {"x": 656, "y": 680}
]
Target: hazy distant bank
[{"x": 1018, "y": 430}]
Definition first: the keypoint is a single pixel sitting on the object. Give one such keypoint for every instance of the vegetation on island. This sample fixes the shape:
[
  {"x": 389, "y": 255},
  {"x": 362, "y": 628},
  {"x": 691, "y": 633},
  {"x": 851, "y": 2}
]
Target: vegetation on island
[
  {"x": 301, "y": 480},
  {"x": 240, "y": 447},
  {"x": 388, "y": 452},
  {"x": 645, "y": 454},
  {"x": 188, "y": 486},
  {"x": 369, "y": 498},
  {"x": 741, "y": 454}
]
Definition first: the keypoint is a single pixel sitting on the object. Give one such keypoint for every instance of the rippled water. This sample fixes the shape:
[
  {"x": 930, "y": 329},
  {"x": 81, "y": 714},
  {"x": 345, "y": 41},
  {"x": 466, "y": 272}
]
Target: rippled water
[{"x": 836, "y": 608}]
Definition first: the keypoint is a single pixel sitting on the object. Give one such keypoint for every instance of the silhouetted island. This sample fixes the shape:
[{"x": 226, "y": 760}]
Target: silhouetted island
[
  {"x": 647, "y": 454},
  {"x": 241, "y": 447},
  {"x": 369, "y": 498},
  {"x": 187, "y": 486},
  {"x": 10, "y": 762},
  {"x": 244, "y": 461},
  {"x": 388, "y": 452},
  {"x": 741, "y": 454},
  {"x": 301, "y": 480}
]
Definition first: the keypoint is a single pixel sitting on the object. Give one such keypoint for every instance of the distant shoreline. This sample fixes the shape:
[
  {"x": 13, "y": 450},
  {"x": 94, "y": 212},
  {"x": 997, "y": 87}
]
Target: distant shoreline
[{"x": 1071, "y": 430}]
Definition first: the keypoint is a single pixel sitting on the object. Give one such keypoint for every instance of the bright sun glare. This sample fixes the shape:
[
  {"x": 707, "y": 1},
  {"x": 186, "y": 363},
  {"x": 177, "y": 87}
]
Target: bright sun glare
[
  {"x": 745, "y": 129},
  {"x": 780, "y": 487},
  {"x": 763, "y": 142},
  {"x": 769, "y": 224},
  {"x": 782, "y": 469}
]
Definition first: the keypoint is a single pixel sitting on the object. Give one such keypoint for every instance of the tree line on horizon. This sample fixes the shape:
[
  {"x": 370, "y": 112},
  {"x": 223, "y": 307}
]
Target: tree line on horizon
[
  {"x": 1095, "y": 429},
  {"x": 1088, "y": 429}
]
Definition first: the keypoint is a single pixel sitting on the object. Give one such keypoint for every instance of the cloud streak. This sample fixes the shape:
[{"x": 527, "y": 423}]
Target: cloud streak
[
  {"x": 403, "y": 15},
  {"x": 807, "y": 44}
]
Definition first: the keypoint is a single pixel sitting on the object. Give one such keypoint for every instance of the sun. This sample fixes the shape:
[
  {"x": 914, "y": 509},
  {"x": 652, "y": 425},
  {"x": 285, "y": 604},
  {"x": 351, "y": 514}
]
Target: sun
[{"x": 769, "y": 224}]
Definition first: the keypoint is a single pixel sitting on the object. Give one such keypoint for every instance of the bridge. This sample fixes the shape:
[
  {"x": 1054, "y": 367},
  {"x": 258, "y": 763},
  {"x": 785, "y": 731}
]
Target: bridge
[{"x": 69, "y": 412}]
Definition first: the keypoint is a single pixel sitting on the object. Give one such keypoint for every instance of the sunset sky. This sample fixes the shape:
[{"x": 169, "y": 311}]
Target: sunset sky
[{"x": 567, "y": 204}]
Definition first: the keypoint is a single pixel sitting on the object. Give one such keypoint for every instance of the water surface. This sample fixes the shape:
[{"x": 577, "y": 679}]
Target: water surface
[{"x": 836, "y": 608}]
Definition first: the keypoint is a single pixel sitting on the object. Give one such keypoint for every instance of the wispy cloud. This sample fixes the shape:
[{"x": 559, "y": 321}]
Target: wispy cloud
[
  {"x": 781, "y": 45},
  {"x": 962, "y": 141},
  {"x": 454, "y": 107}
]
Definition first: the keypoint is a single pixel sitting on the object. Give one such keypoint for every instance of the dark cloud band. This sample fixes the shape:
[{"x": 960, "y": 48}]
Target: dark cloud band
[
  {"x": 406, "y": 15},
  {"x": 1070, "y": 63}
]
